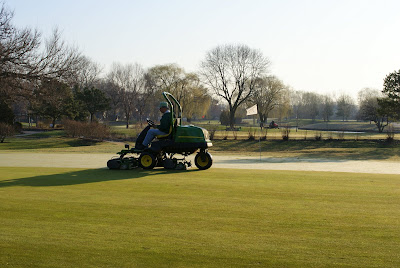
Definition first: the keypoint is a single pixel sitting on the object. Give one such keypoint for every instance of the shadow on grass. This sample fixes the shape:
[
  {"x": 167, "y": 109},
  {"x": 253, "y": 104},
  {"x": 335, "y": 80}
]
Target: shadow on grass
[{"x": 86, "y": 176}]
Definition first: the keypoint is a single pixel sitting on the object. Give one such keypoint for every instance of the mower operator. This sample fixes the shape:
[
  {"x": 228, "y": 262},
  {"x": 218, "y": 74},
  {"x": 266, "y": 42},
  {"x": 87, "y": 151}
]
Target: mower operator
[{"x": 162, "y": 129}]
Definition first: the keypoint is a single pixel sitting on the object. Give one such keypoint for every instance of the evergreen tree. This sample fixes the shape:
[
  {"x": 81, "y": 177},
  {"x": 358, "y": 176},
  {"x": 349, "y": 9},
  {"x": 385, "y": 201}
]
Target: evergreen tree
[
  {"x": 93, "y": 100},
  {"x": 6, "y": 114},
  {"x": 391, "y": 88}
]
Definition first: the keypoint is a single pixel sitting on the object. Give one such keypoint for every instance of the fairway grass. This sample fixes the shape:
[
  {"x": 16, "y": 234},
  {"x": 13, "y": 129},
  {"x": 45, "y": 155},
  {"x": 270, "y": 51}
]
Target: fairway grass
[
  {"x": 58, "y": 217},
  {"x": 60, "y": 145},
  {"x": 326, "y": 149}
]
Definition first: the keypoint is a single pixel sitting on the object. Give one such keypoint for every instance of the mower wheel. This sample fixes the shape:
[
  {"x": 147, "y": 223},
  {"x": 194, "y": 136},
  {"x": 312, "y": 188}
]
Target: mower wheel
[
  {"x": 147, "y": 160},
  {"x": 203, "y": 160}
]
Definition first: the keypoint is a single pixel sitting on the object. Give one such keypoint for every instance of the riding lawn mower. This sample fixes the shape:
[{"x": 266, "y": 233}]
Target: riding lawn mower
[{"x": 181, "y": 139}]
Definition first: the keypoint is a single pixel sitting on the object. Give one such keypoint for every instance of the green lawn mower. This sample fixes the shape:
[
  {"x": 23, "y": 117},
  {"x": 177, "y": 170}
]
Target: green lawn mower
[{"x": 183, "y": 140}]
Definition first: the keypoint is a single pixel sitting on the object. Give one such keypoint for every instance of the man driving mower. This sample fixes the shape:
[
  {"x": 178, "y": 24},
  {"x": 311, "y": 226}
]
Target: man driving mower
[
  {"x": 148, "y": 134},
  {"x": 176, "y": 139}
]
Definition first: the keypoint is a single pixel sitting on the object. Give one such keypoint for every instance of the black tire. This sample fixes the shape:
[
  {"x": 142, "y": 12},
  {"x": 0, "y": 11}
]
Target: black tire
[
  {"x": 114, "y": 164},
  {"x": 203, "y": 160},
  {"x": 147, "y": 161}
]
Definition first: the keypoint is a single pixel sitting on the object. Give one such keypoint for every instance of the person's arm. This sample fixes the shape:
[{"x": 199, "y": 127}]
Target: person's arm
[{"x": 165, "y": 123}]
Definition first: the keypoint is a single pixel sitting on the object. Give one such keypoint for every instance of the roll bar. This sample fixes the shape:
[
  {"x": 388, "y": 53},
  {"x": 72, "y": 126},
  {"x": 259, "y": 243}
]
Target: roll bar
[{"x": 168, "y": 95}]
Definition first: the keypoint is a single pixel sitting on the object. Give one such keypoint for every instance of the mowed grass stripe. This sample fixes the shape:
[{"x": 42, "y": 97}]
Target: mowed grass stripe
[{"x": 52, "y": 217}]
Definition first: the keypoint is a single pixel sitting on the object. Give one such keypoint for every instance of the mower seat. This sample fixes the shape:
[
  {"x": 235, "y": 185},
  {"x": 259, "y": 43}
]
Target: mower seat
[
  {"x": 171, "y": 128},
  {"x": 166, "y": 136}
]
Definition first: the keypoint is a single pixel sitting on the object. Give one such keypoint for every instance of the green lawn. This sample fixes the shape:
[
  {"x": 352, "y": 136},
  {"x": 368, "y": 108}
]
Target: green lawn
[
  {"x": 334, "y": 130},
  {"x": 333, "y": 149},
  {"x": 327, "y": 149},
  {"x": 54, "y": 217},
  {"x": 59, "y": 144}
]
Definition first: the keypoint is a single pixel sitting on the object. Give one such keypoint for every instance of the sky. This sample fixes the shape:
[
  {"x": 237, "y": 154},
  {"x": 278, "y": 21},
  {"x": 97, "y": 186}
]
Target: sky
[{"x": 325, "y": 46}]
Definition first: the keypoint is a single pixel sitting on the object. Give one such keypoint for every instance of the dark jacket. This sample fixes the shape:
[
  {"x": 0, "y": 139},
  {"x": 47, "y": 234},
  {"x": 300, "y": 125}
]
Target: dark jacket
[{"x": 165, "y": 122}]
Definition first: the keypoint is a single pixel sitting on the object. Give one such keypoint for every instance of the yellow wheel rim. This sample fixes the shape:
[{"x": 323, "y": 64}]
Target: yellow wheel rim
[
  {"x": 146, "y": 160},
  {"x": 201, "y": 162}
]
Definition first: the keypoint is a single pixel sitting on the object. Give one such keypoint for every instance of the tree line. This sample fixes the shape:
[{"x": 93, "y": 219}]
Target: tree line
[{"x": 47, "y": 78}]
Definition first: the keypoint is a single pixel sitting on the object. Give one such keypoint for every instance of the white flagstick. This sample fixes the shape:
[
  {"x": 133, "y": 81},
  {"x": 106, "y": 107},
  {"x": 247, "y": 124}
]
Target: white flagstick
[
  {"x": 259, "y": 138},
  {"x": 254, "y": 111}
]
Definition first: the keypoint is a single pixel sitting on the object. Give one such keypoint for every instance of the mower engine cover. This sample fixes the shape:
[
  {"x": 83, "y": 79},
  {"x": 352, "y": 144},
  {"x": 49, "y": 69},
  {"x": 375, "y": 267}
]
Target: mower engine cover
[{"x": 192, "y": 134}]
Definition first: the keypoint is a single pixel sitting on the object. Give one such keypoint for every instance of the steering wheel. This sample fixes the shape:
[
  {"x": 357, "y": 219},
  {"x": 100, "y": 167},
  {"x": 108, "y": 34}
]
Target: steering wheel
[{"x": 150, "y": 122}]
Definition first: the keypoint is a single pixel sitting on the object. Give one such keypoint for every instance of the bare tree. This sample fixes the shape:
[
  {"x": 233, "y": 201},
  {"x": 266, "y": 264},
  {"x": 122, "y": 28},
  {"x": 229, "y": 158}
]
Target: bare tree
[
  {"x": 195, "y": 97},
  {"x": 18, "y": 47},
  {"x": 112, "y": 91},
  {"x": 87, "y": 73},
  {"x": 130, "y": 79},
  {"x": 24, "y": 60},
  {"x": 231, "y": 72},
  {"x": 283, "y": 109},
  {"x": 369, "y": 108},
  {"x": 20, "y": 57},
  {"x": 215, "y": 109},
  {"x": 168, "y": 78},
  {"x": 327, "y": 106},
  {"x": 58, "y": 60},
  {"x": 345, "y": 106},
  {"x": 185, "y": 87},
  {"x": 295, "y": 102},
  {"x": 310, "y": 105},
  {"x": 267, "y": 95},
  {"x": 146, "y": 98}
]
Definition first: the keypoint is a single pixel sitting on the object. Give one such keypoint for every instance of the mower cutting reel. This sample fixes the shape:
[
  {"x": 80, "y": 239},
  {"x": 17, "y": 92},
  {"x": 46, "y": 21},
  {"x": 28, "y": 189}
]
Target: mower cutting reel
[{"x": 123, "y": 163}]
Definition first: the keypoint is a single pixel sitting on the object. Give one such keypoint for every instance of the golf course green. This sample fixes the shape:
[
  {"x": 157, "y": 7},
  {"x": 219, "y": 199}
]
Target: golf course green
[{"x": 61, "y": 217}]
